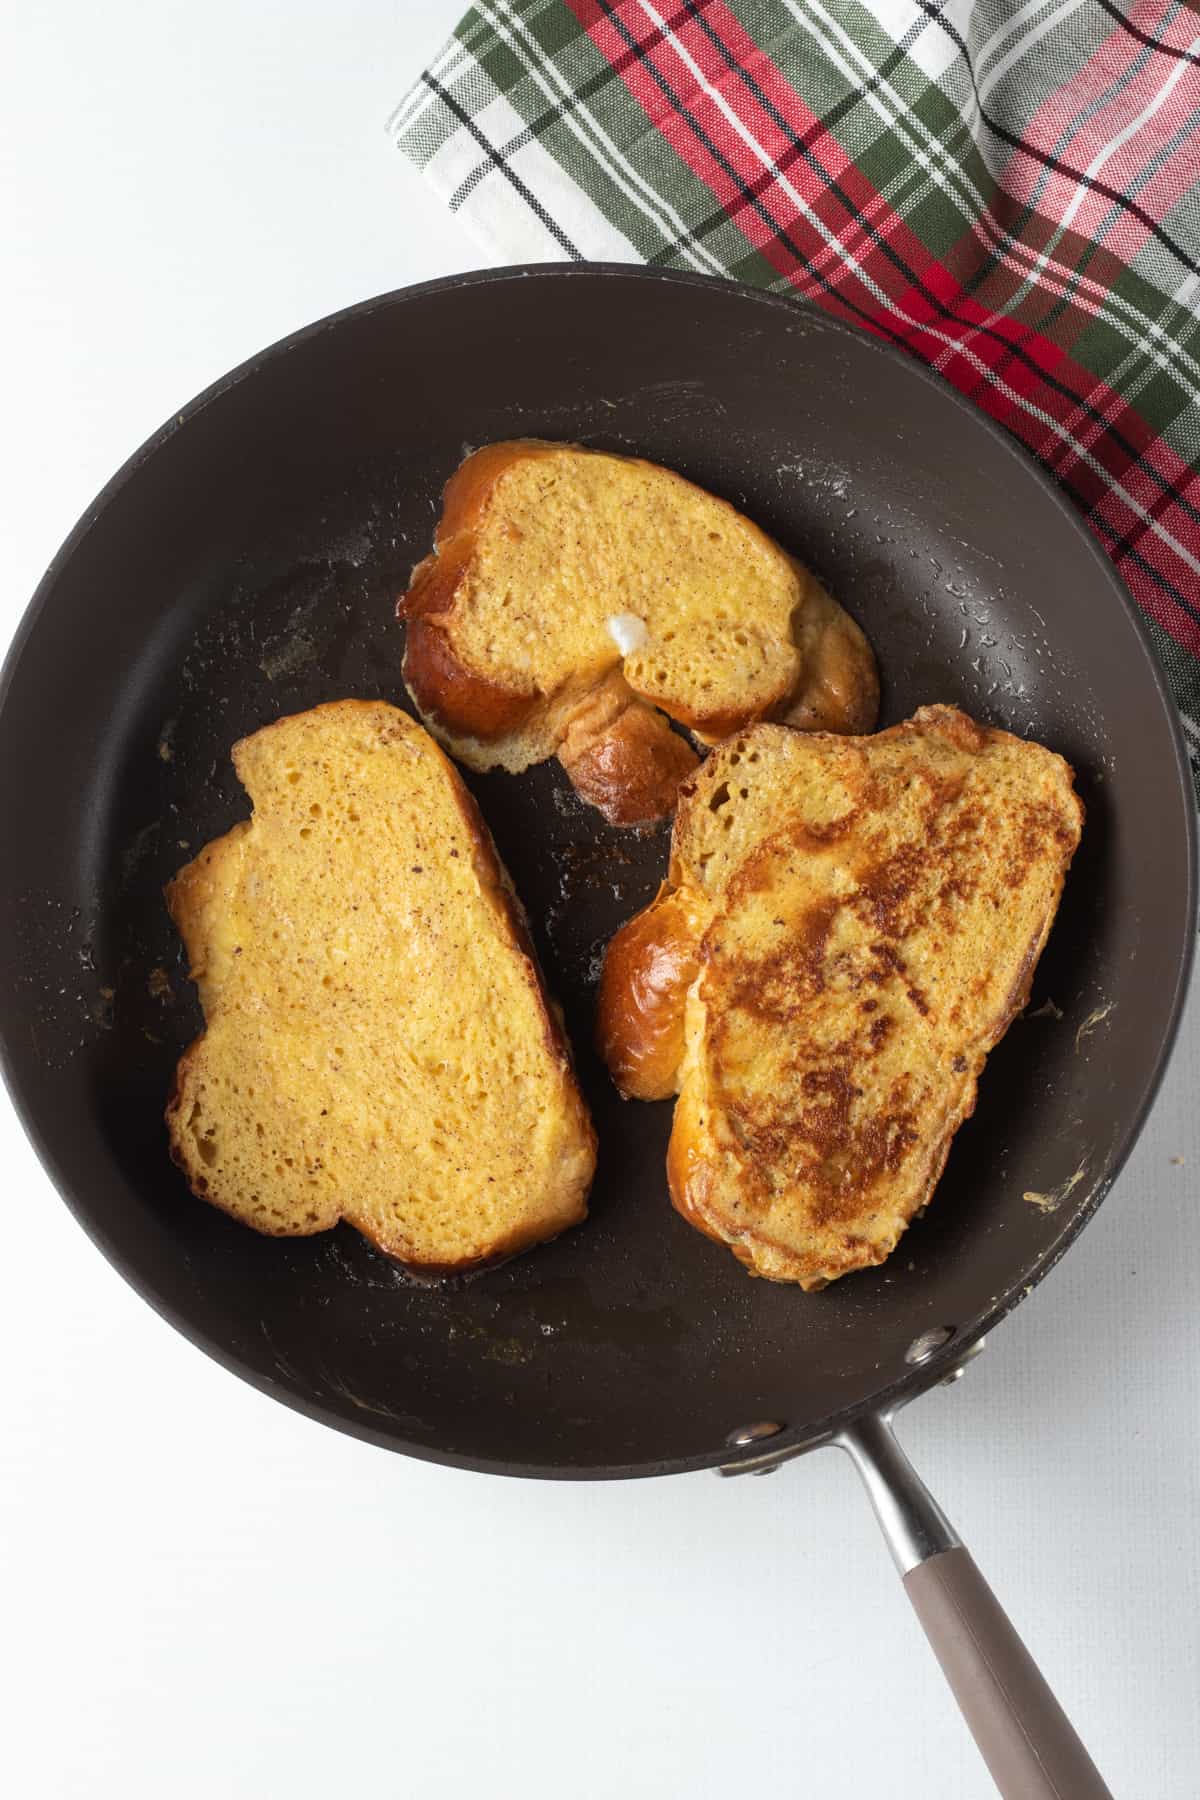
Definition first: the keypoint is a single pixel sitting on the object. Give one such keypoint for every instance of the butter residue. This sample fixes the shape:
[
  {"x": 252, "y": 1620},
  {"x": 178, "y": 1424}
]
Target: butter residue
[
  {"x": 627, "y": 631},
  {"x": 1051, "y": 1202},
  {"x": 1096, "y": 1017}
]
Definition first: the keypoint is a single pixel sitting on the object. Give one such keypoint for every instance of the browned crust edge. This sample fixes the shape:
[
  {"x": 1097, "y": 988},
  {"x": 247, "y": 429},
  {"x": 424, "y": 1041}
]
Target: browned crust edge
[
  {"x": 443, "y": 687},
  {"x": 648, "y": 968},
  {"x": 453, "y": 696},
  {"x": 631, "y": 771},
  {"x": 838, "y": 686}
]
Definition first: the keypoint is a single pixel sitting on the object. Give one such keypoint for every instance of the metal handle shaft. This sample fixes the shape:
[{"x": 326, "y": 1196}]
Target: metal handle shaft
[{"x": 1027, "y": 1741}]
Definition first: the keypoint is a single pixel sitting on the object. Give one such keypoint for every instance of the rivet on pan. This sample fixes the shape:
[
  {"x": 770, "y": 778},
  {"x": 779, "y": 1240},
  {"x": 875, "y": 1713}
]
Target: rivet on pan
[
  {"x": 923, "y": 1347},
  {"x": 752, "y": 1434}
]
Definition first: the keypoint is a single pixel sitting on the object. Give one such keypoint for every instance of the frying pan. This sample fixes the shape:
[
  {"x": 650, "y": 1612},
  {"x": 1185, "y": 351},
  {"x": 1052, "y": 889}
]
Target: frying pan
[{"x": 245, "y": 563}]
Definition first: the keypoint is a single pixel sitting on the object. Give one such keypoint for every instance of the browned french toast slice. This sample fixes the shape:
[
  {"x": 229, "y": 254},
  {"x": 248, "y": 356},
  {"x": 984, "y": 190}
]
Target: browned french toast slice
[
  {"x": 378, "y": 1045},
  {"x": 576, "y": 603},
  {"x": 848, "y": 928}
]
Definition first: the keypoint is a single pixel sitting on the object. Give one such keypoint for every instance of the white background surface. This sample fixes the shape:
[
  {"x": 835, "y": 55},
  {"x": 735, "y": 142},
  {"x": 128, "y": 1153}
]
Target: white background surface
[{"x": 204, "y": 1594}]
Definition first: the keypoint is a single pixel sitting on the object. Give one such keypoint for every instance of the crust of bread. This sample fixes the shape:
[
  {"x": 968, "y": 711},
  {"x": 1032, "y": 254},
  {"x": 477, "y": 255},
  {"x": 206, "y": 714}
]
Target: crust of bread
[
  {"x": 632, "y": 768},
  {"x": 200, "y": 899},
  {"x": 839, "y": 690},
  {"x": 622, "y": 757},
  {"x": 453, "y": 699},
  {"x": 680, "y": 1010},
  {"x": 648, "y": 968}
]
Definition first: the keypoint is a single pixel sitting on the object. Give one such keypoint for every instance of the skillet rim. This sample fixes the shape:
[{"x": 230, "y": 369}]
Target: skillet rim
[{"x": 927, "y": 1374}]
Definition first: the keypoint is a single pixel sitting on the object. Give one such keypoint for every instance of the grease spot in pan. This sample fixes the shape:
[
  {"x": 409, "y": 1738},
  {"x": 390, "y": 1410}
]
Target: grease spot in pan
[
  {"x": 1050, "y": 1202},
  {"x": 1096, "y": 1017}
]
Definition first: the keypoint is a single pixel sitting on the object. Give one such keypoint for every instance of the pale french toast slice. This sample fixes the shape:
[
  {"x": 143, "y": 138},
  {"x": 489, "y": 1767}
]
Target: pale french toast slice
[{"x": 378, "y": 1044}]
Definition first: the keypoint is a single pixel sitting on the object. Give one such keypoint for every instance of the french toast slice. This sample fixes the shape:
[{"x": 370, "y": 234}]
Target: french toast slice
[
  {"x": 848, "y": 927},
  {"x": 378, "y": 1045},
  {"x": 577, "y": 602}
]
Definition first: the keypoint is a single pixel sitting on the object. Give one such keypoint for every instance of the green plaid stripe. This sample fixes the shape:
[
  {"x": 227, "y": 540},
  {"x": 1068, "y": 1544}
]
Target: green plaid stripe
[{"x": 997, "y": 190}]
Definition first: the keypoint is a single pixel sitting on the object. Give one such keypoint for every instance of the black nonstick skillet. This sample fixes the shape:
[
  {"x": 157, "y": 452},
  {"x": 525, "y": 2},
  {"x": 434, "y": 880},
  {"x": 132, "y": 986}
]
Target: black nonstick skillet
[{"x": 245, "y": 564}]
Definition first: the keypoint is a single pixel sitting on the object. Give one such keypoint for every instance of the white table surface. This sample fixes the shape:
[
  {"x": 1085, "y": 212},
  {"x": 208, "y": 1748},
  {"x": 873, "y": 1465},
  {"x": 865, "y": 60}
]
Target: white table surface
[{"x": 206, "y": 1595}]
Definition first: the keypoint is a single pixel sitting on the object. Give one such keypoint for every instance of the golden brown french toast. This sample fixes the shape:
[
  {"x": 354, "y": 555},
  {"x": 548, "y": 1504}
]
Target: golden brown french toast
[
  {"x": 378, "y": 1046},
  {"x": 577, "y": 602},
  {"x": 848, "y": 927}
]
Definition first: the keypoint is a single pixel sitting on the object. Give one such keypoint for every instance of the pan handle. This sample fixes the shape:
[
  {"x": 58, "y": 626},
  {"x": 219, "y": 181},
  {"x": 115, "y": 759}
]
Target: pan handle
[{"x": 1025, "y": 1738}]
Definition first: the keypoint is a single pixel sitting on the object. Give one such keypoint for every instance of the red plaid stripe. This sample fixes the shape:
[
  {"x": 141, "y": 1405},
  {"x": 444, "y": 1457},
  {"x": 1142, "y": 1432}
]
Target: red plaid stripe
[{"x": 792, "y": 189}]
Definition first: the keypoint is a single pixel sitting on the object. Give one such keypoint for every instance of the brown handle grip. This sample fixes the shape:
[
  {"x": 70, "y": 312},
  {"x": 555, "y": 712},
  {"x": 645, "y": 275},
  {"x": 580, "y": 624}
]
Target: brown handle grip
[{"x": 1025, "y": 1737}]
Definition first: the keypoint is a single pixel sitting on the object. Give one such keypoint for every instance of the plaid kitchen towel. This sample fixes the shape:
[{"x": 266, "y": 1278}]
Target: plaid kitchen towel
[{"x": 1008, "y": 189}]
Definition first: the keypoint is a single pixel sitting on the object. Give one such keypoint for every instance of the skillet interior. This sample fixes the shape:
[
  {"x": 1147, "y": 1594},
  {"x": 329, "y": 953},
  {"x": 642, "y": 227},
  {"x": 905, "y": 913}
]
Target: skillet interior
[{"x": 245, "y": 564}]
